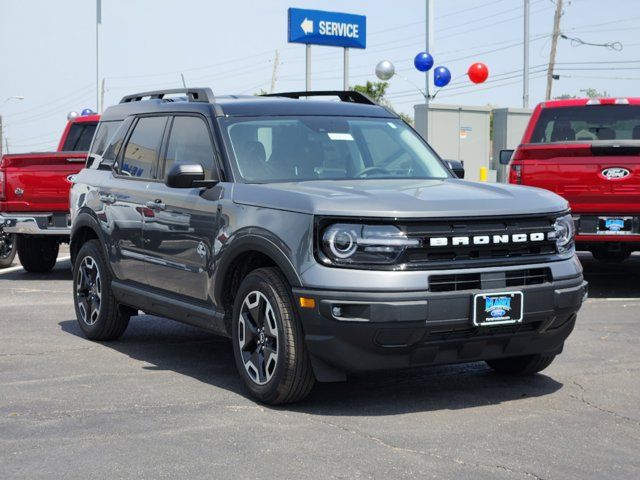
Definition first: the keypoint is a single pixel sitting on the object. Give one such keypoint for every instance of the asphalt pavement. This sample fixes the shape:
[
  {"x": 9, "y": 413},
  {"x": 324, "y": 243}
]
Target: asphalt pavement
[{"x": 165, "y": 401}]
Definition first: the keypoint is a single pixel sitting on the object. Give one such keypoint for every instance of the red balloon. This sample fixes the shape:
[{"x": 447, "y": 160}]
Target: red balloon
[{"x": 478, "y": 72}]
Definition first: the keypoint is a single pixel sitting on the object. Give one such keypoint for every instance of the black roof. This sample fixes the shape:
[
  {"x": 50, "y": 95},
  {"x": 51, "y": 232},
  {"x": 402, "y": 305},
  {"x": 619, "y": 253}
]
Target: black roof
[{"x": 248, "y": 105}]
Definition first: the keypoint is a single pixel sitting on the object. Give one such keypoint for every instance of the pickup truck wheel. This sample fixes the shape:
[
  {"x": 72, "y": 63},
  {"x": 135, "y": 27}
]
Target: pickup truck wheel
[
  {"x": 8, "y": 247},
  {"x": 37, "y": 254},
  {"x": 99, "y": 315},
  {"x": 609, "y": 256},
  {"x": 268, "y": 342},
  {"x": 525, "y": 365}
]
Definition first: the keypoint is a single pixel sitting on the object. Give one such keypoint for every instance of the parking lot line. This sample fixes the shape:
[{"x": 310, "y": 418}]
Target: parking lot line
[{"x": 20, "y": 267}]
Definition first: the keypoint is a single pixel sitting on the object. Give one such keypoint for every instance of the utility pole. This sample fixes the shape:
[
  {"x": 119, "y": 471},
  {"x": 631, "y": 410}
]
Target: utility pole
[
  {"x": 554, "y": 44},
  {"x": 525, "y": 66},
  {"x": 276, "y": 62}
]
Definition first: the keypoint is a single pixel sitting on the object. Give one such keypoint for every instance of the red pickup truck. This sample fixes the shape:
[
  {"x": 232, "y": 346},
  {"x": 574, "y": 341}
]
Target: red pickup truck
[
  {"x": 34, "y": 197},
  {"x": 588, "y": 151}
]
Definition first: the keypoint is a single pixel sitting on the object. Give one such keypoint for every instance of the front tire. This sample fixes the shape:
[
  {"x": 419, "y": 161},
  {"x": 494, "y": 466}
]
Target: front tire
[
  {"x": 37, "y": 254},
  {"x": 8, "y": 246},
  {"x": 268, "y": 342},
  {"x": 98, "y": 314},
  {"x": 525, "y": 365}
]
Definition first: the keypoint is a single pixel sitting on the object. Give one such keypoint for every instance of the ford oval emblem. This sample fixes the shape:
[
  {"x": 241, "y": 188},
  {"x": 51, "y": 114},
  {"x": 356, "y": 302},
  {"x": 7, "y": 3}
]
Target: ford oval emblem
[
  {"x": 499, "y": 312},
  {"x": 615, "y": 173}
]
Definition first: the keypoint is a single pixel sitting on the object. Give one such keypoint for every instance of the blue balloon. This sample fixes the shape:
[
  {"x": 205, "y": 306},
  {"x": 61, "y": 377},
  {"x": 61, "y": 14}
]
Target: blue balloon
[
  {"x": 87, "y": 111},
  {"x": 441, "y": 76},
  {"x": 423, "y": 61}
]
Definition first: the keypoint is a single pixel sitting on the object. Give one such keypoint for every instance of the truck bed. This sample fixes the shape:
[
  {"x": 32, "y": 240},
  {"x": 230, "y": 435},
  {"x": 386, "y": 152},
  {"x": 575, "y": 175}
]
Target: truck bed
[{"x": 38, "y": 182}]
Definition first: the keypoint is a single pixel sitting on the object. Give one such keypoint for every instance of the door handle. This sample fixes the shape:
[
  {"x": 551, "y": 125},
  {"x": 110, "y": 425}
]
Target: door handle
[
  {"x": 107, "y": 198},
  {"x": 156, "y": 205}
]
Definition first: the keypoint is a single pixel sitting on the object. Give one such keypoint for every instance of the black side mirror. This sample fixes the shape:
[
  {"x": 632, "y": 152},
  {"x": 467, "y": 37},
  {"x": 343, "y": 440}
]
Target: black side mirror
[
  {"x": 188, "y": 176},
  {"x": 457, "y": 167},
  {"x": 505, "y": 156}
]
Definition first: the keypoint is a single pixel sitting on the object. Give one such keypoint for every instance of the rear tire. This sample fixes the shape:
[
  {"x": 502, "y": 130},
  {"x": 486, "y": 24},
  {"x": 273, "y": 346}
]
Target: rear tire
[
  {"x": 610, "y": 256},
  {"x": 37, "y": 254},
  {"x": 268, "y": 342},
  {"x": 525, "y": 365},
  {"x": 99, "y": 315},
  {"x": 8, "y": 246}
]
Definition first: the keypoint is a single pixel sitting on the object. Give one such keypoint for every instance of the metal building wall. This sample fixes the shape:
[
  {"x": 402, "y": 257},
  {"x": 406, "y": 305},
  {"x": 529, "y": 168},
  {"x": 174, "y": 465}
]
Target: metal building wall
[
  {"x": 509, "y": 125},
  {"x": 458, "y": 132}
]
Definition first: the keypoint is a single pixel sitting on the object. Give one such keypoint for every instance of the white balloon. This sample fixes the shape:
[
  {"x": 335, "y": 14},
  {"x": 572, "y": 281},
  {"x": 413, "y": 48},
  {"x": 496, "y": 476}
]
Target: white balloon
[{"x": 385, "y": 70}]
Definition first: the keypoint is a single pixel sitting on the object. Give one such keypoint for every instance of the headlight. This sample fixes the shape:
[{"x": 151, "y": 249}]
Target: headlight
[
  {"x": 564, "y": 232},
  {"x": 364, "y": 244}
]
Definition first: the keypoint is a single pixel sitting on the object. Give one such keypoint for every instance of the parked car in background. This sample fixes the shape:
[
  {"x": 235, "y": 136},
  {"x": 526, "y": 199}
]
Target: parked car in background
[
  {"x": 588, "y": 151},
  {"x": 34, "y": 197}
]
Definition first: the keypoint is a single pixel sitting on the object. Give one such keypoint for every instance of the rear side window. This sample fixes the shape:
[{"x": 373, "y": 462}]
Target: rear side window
[
  {"x": 140, "y": 157},
  {"x": 587, "y": 123},
  {"x": 189, "y": 143},
  {"x": 79, "y": 137},
  {"x": 103, "y": 135}
]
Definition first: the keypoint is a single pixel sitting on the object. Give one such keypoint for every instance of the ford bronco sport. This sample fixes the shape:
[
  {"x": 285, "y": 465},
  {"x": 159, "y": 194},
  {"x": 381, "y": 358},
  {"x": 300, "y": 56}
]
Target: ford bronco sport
[{"x": 325, "y": 238}]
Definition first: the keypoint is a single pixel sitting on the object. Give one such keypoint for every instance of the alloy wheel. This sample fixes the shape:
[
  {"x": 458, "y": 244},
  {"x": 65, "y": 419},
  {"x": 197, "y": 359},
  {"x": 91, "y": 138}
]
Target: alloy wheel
[
  {"x": 6, "y": 245},
  {"x": 89, "y": 290},
  {"x": 258, "y": 337}
]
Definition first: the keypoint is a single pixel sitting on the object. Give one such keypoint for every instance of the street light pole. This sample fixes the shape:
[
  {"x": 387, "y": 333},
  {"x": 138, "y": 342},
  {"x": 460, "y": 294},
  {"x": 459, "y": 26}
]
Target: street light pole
[
  {"x": 98, "y": 22},
  {"x": 525, "y": 67},
  {"x": 427, "y": 44}
]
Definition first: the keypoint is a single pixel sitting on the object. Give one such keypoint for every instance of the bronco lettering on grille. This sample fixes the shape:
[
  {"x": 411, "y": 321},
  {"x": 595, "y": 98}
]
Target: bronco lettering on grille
[{"x": 490, "y": 239}]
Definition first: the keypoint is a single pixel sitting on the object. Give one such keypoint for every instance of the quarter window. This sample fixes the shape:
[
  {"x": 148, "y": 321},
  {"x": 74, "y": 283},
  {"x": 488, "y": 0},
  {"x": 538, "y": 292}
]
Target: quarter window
[
  {"x": 141, "y": 153},
  {"x": 189, "y": 143}
]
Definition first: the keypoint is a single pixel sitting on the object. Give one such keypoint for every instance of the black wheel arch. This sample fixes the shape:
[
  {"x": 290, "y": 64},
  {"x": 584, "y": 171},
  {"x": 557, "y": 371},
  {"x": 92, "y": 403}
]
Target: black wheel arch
[
  {"x": 85, "y": 226},
  {"x": 245, "y": 244}
]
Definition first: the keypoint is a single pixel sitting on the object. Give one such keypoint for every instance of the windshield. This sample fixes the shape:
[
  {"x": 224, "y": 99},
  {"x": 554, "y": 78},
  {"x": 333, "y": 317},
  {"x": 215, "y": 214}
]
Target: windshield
[
  {"x": 588, "y": 123},
  {"x": 292, "y": 149}
]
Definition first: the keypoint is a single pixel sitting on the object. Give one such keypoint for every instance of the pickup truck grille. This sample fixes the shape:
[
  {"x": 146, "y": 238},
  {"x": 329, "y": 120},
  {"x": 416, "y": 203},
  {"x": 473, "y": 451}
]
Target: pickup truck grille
[
  {"x": 478, "y": 281},
  {"x": 503, "y": 240}
]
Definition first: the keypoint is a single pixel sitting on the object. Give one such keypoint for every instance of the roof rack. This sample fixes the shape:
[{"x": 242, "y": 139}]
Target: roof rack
[
  {"x": 204, "y": 95},
  {"x": 344, "y": 95}
]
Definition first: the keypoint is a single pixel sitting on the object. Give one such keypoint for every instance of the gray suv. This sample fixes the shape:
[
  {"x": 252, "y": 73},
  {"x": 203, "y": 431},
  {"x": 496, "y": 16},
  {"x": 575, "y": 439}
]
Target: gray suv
[{"x": 323, "y": 237}]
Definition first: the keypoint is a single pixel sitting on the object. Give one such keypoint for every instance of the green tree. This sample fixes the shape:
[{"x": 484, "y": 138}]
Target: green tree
[
  {"x": 377, "y": 91},
  {"x": 373, "y": 90},
  {"x": 589, "y": 92}
]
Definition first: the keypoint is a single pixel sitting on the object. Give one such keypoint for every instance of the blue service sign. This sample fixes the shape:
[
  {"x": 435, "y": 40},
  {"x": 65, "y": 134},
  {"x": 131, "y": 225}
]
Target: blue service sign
[{"x": 327, "y": 28}]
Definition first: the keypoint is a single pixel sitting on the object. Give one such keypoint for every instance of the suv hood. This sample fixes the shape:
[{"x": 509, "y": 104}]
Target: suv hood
[{"x": 400, "y": 198}]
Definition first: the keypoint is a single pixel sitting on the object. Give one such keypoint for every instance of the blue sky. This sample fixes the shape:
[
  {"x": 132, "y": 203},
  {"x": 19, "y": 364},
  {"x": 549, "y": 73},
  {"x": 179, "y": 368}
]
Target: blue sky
[{"x": 47, "y": 49}]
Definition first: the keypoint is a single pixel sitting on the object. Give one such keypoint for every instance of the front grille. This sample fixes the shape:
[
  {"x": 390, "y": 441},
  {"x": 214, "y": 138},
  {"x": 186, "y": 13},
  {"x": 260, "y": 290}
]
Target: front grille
[
  {"x": 489, "y": 280},
  {"x": 447, "y": 254}
]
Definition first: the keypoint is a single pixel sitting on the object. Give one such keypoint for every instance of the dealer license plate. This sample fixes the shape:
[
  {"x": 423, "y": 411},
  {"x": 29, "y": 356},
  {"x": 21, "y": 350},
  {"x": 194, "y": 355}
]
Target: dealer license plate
[
  {"x": 615, "y": 225},
  {"x": 497, "y": 308}
]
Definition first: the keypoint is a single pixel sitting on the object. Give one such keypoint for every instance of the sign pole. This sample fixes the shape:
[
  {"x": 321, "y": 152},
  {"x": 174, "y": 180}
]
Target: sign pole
[
  {"x": 345, "y": 84},
  {"x": 428, "y": 37},
  {"x": 308, "y": 67}
]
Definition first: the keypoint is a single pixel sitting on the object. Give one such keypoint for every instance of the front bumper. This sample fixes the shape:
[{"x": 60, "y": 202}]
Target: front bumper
[
  {"x": 57, "y": 224},
  {"x": 393, "y": 330}
]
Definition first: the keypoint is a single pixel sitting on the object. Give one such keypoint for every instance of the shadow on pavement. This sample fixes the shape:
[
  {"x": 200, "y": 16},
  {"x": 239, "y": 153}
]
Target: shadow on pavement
[
  {"x": 612, "y": 280},
  {"x": 169, "y": 345},
  {"x": 62, "y": 271}
]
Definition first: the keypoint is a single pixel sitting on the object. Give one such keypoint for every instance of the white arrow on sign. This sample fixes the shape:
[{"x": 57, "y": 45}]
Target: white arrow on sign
[{"x": 307, "y": 26}]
